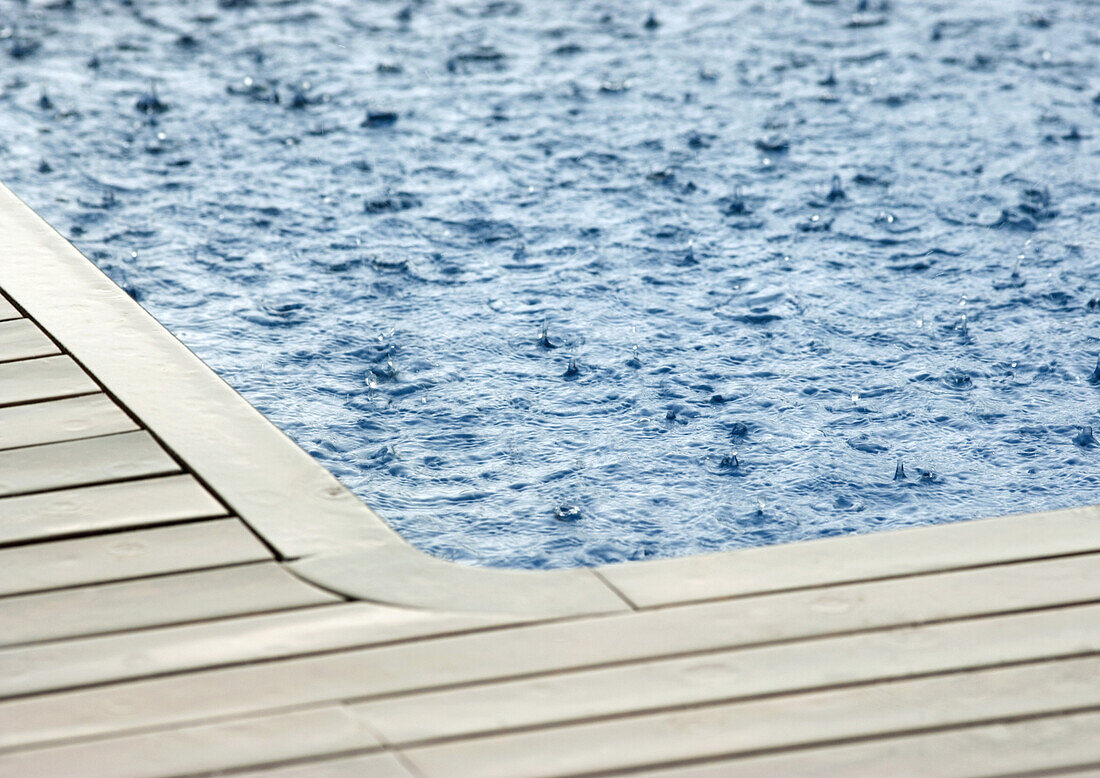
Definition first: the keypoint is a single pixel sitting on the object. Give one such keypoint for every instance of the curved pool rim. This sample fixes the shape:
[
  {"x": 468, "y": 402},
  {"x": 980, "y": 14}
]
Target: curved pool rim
[{"x": 328, "y": 536}]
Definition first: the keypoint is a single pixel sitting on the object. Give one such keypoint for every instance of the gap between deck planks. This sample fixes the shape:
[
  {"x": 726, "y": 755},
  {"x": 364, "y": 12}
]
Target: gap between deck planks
[
  {"x": 749, "y": 727},
  {"x": 104, "y": 508},
  {"x": 57, "y": 421},
  {"x": 150, "y": 602},
  {"x": 79, "y": 462},
  {"x": 118, "y": 556},
  {"x": 713, "y": 626},
  {"x": 455, "y": 663},
  {"x": 754, "y": 727},
  {"x": 1049, "y": 746}
]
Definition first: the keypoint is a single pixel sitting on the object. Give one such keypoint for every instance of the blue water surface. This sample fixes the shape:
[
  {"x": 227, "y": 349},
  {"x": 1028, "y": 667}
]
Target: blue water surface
[{"x": 562, "y": 282}]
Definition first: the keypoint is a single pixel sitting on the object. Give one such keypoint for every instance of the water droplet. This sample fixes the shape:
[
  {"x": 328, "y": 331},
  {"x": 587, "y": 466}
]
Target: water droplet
[
  {"x": 1095, "y": 377},
  {"x": 1084, "y": 438},
  {"x": 836, "y": 191},
  {"x": 567, "y": 513},
  {"x": 379, "y": 119},
  {"x": 735, "y": 205},
  {"x": 544, "y": 337},
  {"x": 150, "y": 103}
]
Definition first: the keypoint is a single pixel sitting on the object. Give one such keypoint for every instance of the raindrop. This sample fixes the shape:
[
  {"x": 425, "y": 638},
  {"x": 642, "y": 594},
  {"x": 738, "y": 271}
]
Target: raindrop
[{"x": 567, "y": 513}]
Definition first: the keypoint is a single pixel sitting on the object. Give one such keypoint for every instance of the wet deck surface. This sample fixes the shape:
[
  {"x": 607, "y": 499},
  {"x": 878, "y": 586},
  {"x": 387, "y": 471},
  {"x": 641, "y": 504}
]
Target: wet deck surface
[{"x": 150, "y": 629}]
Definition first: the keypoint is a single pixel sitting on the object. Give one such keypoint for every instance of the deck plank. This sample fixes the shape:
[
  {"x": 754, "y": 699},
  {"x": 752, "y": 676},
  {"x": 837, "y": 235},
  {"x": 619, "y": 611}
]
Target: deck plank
[
  {"x": 380, "y": 765},
  {"x": 1057, "y": 745},
  {"x": 252, "y": 689},
  {"x": 61, "y": 420},
  {"x": 695, "y": 679},
  {"x": 112, "y": 658},
  {"x": 80, "y": 462},
  {"x": 220, "y": 746},
  {"x": 7, "y": 310},
  {"x": 43, "y": 379},
  {"x": 118, "y": 556},
  {"x": 150, "y": 602},
  {"x": 21, "y": 339},
  {"x": 779, "y": 617},
  {"x": 103, "y": 508},
  {"x": 758, "y": 726}
]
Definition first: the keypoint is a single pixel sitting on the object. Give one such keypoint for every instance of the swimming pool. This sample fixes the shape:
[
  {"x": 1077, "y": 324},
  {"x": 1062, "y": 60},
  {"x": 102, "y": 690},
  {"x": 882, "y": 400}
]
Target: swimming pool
[{"x": 567, "y": 283}]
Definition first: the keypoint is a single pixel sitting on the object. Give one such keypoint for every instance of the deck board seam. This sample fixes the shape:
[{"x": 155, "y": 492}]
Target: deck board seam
[
  {"x": 733, "y": 756},
  {"x": 552, "y": 724},
  {"x": 143, "y": 577},
  {"x": 618, "y": 592},
  {"x": 650, "y": 658},
  {"x": 6, "y": 545},
  {"x": 25, "y": 446},
  {"x": 82, "y": 484},
  {"x": 502, "y": 628},
  {"x": 52, "y": 397},
  {"x": 106, "y": 390},
  {"x": 245, "y": 769},
  {"x": 158, "y": 729},
  {"x": 506, "y": 679},
  {"x": 110, "y": 633},
  {"x": 285, "y": 565},
  {"x": 1053, "y": 772},
  {"x": 17, "y": 360}
]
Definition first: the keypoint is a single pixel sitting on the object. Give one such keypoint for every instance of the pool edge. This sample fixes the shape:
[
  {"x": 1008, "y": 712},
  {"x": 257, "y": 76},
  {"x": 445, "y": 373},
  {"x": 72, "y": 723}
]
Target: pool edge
[{"x": 327, "y": 535}]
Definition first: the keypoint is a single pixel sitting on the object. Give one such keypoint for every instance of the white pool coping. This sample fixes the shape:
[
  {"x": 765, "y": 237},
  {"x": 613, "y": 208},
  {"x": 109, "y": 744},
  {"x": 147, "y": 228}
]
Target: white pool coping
[{"x": 329, "y": 536}]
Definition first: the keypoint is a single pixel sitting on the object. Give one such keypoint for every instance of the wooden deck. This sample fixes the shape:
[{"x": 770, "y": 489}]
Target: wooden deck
[{"x": 183, "y": 591}]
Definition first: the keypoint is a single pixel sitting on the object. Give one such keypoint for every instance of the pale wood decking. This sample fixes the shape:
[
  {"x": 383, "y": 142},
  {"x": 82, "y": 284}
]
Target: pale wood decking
[{"x": 182, "y": 591}]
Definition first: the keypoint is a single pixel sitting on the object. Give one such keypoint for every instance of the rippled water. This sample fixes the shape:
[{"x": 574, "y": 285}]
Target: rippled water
[{"x": 552, "y": 283}]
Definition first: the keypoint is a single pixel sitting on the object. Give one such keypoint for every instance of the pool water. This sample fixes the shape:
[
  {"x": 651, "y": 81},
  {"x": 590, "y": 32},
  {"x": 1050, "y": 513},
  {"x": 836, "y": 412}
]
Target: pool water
[{"x": 557, "y": 283}]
